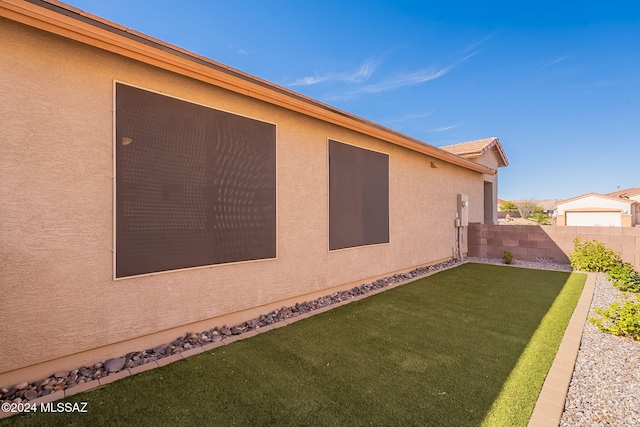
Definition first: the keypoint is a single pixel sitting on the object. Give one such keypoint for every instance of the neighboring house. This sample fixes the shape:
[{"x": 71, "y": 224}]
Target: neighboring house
[
  {"x": 632, "y": 194},
  {"x": 487, "y": 152},
  {"x": 594, "y": 209},
  {"x": 148, "y": 192}
]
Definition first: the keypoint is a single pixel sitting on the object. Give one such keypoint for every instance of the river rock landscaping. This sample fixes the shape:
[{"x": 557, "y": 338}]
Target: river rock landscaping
[
  {"x": 604, "y": 390},
  {"x": 62, "y": 380}
]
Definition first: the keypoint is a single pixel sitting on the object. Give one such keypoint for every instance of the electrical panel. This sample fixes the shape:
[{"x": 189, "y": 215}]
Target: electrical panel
[{"x": 463, "y": 211}]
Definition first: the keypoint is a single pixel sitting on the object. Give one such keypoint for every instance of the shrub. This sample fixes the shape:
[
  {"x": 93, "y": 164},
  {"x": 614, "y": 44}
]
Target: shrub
[
  {"x": 624, "y": 277},
  {"x": 507, "y": 257},
  {"x": 619, "y": 319},
  {"x": 508, "y": 207},
  {"x": 541, "y": 218},
  {"x": 592, "y": 256},
  {"x": 526, "y": 208}
]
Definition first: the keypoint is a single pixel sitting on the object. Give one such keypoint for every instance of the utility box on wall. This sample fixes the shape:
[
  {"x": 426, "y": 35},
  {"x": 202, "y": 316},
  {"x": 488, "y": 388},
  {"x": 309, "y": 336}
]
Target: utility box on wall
[{"x": 463, "y": 211}]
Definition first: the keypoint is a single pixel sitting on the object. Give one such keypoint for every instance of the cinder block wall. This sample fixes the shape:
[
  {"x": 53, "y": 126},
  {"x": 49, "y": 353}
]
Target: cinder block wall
[{"x": 529, "y": 243}]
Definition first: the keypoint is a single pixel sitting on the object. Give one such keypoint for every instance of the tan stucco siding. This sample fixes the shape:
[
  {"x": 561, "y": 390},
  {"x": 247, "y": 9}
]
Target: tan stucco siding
[
  {"x": 58, "y": 293},
  {"x": 491, "y": 159}
]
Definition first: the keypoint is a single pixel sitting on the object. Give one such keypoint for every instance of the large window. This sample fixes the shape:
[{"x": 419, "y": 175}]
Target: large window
[
  {"x": 358, "y": 196},
  {"x": 194, "y": 186}
]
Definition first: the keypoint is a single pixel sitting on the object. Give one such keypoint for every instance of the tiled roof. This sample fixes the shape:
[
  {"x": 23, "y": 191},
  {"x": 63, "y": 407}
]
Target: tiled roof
[
  {"x": 476, "y": 148},
  {"x": 624, "y": 193},
  {"x": 603, "y": 196}
]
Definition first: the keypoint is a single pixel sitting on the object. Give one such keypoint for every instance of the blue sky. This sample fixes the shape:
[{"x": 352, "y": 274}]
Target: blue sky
[{"x": 557, "y": 81}]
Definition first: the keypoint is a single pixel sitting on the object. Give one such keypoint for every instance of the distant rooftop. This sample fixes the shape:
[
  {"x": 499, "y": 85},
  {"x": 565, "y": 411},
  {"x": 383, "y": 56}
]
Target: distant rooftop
[
  {"x": 476, "y": 148},
  {"x": 624, "y": 193}
]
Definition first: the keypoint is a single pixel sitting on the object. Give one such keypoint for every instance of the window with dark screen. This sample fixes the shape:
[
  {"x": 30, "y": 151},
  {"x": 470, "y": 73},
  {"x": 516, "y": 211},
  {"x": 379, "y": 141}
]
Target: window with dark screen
[
  {"x": 194, "y": 186},
  {"x": 358, "y": 196}
]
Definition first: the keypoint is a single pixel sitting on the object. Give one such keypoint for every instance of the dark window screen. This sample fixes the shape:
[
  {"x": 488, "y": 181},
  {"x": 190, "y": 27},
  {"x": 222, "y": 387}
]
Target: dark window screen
[
  {"x": 358, "y": 196},
  {"x": 194, "y": 186}
]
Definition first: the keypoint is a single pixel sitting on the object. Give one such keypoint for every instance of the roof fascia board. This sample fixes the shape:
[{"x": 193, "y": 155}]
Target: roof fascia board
[
  {"x": 594, "y": 210},
  {"x": 59, "y": 19},
  {"x": 501, "y": 153},
  {"x": 495, "y": 144},
  {"x": 600, "y": 196}
]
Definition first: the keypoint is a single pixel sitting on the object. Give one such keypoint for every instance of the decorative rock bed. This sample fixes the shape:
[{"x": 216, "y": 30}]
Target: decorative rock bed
[
  {"x": 62, "y": 380},
  {"x": 605, "y": 387}
]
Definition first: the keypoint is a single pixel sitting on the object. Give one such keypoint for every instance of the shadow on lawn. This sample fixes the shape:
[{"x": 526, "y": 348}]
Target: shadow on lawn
[{"x": 432, "y": 352}]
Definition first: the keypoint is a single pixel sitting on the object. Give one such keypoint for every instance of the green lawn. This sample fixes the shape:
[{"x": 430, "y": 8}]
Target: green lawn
[{"x": 440, "y": 351}]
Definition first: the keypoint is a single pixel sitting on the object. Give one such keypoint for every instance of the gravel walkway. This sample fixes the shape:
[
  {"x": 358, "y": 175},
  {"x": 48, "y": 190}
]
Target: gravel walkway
[{"x": 605, "y": 388}]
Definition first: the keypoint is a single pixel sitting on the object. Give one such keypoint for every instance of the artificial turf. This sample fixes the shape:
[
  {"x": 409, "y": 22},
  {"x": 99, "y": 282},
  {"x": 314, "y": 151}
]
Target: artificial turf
[{"x": 438, "y": 351}]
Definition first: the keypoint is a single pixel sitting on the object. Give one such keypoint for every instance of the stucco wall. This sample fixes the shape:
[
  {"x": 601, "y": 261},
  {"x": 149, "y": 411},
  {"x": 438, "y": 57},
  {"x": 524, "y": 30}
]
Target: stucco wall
[
  {"x": 593, "y": 202},
  {"x": 636, "y": 209},
  {"x": 59, "y": 303},
  {"x": 491, "y": 159},
  {"x": 597, "y": 204}
]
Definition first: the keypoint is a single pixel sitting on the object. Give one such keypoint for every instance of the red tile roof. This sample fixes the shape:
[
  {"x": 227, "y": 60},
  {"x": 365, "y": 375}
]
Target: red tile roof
[
  {"x": 603, "y": 196},
  {"x": 476, "y": 148},
  {"x": 624, "y": 193}
]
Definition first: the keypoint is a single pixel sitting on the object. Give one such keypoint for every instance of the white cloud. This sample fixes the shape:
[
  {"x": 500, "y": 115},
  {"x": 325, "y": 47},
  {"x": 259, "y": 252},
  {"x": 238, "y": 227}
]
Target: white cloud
[
  {"x": 306, "y": 81},
  {"x": 411, "y": 79},
  {"x": 365, "y": 71},
  {"x": 478, "y": 43},
  {"x": 562, "y": 58},
  {"x": 445, "y": 128},
  {"x": 391, "y": 83},
  {"x": 409, "y": 117},
  {"x": 362, "y": 74}
]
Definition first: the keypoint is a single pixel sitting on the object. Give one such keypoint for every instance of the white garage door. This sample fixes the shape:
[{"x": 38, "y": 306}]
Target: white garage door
[{"x": 602, "y": 219}]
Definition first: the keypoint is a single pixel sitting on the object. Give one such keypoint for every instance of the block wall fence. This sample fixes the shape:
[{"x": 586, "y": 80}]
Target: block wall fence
[{"x": 530, "y": 243}]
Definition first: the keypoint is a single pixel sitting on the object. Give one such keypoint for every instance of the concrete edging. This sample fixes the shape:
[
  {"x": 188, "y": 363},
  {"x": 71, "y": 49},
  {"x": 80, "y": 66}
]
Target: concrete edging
[{"x": 550, "y": 403}]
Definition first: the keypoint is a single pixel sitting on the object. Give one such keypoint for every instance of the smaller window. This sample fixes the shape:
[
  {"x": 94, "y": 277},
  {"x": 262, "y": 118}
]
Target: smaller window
[{"x": 358, "y": 196}]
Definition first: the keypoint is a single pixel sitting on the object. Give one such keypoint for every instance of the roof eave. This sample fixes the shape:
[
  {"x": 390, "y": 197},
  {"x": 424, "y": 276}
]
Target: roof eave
[
  {"x": 476, "y": 153},
  {"x": 602, "y": 196},
  {"x": 60, "y": 19}
]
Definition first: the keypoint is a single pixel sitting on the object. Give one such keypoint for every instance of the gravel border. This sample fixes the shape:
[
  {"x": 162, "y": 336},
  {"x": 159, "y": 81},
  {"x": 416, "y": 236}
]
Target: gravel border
[
  {"x": 605, "y": 387},
  {"x": 542, "y": 264},
  {"x": 604, "y": 390},
  {"x": 63, "y": 383}
]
